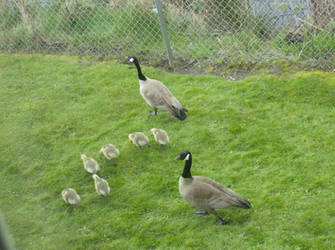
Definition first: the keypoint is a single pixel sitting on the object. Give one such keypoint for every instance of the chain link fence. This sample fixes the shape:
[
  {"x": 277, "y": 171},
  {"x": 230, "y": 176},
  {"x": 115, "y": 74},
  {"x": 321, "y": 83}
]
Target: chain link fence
[{"x": 210, "y": 32}]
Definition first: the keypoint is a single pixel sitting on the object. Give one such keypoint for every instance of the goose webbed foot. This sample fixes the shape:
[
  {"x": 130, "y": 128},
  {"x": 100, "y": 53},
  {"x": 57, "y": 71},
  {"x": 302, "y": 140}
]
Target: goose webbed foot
[
  {"x": 148, "y": 145},
  {"x": 221, "y": 222},
  {"x": 200, "y": 213},
  {"x": 139, "y": 147},
  {"x": 163, "y": 146}
]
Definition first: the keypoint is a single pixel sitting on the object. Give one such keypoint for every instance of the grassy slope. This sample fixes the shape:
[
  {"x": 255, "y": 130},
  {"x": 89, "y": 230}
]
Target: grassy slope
[{"x": 270, "y": 139}]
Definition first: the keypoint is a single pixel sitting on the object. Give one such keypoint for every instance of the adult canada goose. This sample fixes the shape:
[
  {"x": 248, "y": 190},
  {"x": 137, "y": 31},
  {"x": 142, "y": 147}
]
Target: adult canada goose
[
  {"x": 70, "y": 196},
  {"x": 139, "y": 139},
  {"x": 90, "y": 164},
  {"x": 161, "y": 137},
  {"x": 157, "y": 95},
  {"x": 109, "y": 151},
  {"x": 206, "y": 194},
  {"x": 101, "y": 185}
]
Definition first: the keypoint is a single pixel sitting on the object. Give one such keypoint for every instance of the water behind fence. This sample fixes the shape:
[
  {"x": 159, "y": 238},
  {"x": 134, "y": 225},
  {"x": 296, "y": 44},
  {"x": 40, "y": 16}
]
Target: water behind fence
[{"x": 229, "y": 32}]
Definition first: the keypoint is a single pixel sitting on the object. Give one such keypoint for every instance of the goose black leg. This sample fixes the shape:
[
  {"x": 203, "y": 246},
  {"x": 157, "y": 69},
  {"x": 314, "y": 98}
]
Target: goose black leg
[
  {"x": 200, "y": 213},
  {"x": 221, "y": 221},
  {"x": 154, "y": 112}
]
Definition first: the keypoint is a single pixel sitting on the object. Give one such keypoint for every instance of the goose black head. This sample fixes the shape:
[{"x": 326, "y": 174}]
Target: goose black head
[
  {"x": 185, "y": 155},
  {"x": 132, "y": 59}
]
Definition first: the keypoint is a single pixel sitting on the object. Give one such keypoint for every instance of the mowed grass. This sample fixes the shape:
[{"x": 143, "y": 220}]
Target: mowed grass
[{"x": 269, "y": 138}]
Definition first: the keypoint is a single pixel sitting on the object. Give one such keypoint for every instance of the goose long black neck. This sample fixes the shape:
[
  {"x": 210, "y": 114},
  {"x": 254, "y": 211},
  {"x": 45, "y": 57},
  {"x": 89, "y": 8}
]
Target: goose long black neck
[
  {"x": 187, "y": 168},
  {"x": 139, "y": 71}
]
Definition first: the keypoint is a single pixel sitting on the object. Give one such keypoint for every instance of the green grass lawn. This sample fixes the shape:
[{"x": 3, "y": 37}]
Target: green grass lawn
[{"x": 270, "y": 138}]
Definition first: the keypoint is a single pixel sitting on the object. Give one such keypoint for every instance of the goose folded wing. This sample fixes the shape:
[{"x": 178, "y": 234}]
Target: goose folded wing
[
  {"x": 160, "y": 96},
  {"x": 199, "y": 195},
  {"x": 226, "y": 197},
  {"x": 221, "y": 196}
]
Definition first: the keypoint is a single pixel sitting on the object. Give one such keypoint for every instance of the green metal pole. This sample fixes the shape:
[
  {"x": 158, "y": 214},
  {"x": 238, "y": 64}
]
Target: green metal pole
[{"x": 163, "y": 30}]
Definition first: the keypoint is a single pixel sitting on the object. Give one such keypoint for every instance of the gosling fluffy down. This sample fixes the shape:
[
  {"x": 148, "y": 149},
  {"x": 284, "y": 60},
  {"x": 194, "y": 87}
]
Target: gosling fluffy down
[
  {"x": 109, "y": 151},
  {"x": 70, "y": 196},
  {"x": 101, "y": 185},
  {"x": 205, "y": 193},
  {"x": 90, "y": 165},
  {"x": 160, "y": 135},
  {"x": 139, "y": 139},
  {"x": 157, "y": 95}
]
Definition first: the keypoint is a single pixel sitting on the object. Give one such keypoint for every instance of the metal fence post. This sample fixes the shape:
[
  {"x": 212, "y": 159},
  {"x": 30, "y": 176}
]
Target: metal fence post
[{"x": 163, "y": 30}]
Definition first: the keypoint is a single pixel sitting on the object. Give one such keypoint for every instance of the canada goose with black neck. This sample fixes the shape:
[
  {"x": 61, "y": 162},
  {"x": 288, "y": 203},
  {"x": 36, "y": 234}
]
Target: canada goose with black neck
[
  {"x": 205, "y": 193},
  {"x": 157, "y": 95}
]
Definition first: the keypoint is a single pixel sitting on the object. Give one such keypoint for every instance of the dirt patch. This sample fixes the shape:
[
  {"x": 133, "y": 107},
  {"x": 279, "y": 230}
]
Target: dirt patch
[
  {"x": 232, "y": 72},
  {"x": 228, "y": 71}
]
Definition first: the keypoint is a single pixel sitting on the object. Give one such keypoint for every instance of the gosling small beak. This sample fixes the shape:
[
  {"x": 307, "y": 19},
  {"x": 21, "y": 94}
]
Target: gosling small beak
[{"x": 177, "y": 158}]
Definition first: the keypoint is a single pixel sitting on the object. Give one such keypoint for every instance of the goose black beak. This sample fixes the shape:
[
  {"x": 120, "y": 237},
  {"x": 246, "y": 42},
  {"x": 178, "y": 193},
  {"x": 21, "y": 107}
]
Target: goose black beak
[{"x": 177, "y": 158}]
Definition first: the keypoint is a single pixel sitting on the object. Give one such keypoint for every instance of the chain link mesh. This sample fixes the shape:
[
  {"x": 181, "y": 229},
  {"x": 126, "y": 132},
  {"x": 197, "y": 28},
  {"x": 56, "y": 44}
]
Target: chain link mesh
[{"x": 217, "y": 31}]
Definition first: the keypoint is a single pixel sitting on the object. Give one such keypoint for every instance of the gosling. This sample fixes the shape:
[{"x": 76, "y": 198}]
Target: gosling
[
  {"x": 139, "y": 139},
  {"x": 110, "y": 152},
  {"x": 101, "y": 185},
  {"x": 90, "y": 165},
  {"x": 161, "y": 137},
  {"x": 71, "y": 197}
]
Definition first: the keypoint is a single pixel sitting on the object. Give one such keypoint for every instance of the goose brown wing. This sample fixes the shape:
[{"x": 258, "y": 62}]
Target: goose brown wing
[
  {"x": 160, "y": 95},
  {"x": 223, "y": 197},
  {"x": 211, "y": 182},
  {"x": 153, "y": 97},
  {"x": 199, "y": 195},
  {"x": 225, "y": 200}
]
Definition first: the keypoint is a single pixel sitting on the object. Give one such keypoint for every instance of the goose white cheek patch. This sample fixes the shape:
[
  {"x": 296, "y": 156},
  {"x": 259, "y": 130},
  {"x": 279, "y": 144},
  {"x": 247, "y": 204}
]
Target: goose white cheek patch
[
  {"x": 187, "y": 157},
  {"x": 131, "y": 59}
]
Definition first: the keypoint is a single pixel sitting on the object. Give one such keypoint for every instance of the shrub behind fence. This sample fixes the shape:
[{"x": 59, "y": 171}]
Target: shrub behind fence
[{"x": 214, "y": 31}]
